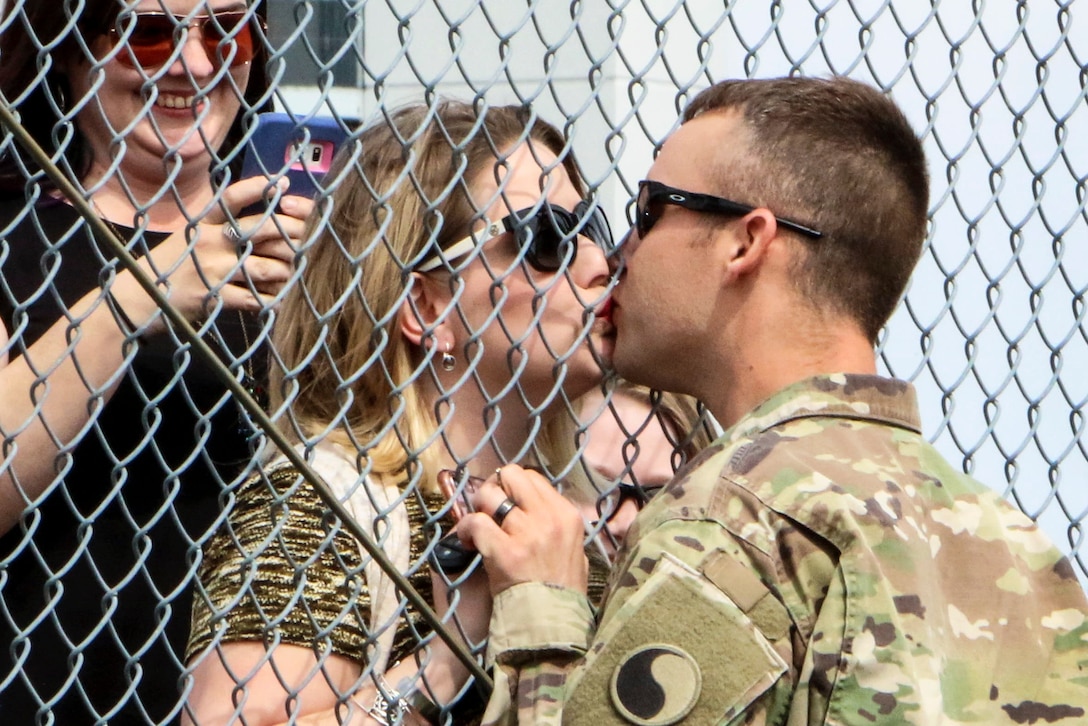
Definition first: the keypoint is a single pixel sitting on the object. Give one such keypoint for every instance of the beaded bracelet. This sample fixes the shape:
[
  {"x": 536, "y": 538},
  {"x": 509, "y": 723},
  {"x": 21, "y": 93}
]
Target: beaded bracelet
[
  {"x": 385, "y": 710},
  {"x": 424, "y": 707}
]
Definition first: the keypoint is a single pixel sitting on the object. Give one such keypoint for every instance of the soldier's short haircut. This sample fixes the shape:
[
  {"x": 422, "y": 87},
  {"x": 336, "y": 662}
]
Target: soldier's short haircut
[{"x": 838, "y": 156}]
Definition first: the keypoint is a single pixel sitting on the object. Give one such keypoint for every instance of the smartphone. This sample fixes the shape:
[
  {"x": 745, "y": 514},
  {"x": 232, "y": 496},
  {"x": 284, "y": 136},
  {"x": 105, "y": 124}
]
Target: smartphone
[
  {"x": 300, "y": 149},
  {"x": 451, "y": 556},
  {"x": 448, "y": 553}
]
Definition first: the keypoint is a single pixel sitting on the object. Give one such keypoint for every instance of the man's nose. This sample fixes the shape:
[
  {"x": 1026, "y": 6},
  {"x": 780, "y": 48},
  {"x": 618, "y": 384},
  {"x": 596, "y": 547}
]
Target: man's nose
[{"x": 617, "y": 257}]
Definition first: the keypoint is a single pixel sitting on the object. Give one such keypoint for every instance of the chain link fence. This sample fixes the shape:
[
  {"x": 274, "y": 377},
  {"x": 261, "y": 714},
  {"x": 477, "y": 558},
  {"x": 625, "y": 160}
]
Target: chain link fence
[{"x": 140, "y": 466}]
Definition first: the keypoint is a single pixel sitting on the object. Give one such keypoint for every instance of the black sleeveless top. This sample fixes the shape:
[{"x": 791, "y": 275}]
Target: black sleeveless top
[{"x": 96, "y": 580}]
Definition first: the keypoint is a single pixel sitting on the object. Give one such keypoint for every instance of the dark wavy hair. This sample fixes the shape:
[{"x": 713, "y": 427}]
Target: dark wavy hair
[{"x": 33, "y": 80}]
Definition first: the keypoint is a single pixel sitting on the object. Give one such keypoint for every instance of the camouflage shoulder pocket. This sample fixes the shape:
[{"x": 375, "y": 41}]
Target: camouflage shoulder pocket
[{"x": 679, "y": 649}]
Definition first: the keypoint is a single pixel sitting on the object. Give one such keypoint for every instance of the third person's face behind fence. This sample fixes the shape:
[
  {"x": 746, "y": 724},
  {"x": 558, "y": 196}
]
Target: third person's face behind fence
[
  {"x": 625, "y": 443},
  {"x": 154, "y": 92},
  {"x": 542, "y": 316}
]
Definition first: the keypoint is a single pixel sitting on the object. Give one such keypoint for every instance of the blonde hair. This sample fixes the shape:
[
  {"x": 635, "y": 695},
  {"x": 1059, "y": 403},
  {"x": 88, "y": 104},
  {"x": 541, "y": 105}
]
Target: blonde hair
[{"x": 402, "y": 188}]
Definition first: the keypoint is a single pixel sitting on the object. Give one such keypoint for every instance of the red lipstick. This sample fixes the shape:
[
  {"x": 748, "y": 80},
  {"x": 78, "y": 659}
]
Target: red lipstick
[{"x": 605, "y": 311}]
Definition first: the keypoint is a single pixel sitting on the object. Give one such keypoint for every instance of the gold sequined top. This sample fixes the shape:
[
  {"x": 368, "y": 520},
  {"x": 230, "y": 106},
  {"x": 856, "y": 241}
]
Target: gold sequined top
[
  {"x": 597, "y": 580},
  {"x": 281, "y": 572}
]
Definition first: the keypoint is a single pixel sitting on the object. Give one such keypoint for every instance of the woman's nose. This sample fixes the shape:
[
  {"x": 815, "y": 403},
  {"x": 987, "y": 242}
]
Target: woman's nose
[
  {"x": 193, "y": 59},
  {"x": 591, "y": 268}
]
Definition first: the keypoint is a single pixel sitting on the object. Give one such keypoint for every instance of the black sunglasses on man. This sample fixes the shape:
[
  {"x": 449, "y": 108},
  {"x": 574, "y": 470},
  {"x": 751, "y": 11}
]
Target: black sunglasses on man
[{"x": 654, "y": 197}]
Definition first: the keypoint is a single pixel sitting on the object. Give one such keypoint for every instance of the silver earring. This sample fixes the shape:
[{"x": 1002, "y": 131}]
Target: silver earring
[
  {"x": 448, "y": 361},
  {"x": 59, "y": 94}
]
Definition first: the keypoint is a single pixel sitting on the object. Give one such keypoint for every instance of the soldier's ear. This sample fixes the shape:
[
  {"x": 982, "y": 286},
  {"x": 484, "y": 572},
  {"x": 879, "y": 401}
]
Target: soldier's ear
[{"x": 750, "y": 240}]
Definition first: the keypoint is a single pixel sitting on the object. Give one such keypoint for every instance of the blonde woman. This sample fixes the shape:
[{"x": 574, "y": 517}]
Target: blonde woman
[{"x": 442, "y": 322}]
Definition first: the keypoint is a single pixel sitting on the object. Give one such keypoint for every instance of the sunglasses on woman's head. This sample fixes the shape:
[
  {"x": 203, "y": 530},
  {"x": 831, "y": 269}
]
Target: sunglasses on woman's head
[
  {"x": 150, "y": 39},
  {"x": 654, "y": 197},
  {"x": 547, "y": 235}
]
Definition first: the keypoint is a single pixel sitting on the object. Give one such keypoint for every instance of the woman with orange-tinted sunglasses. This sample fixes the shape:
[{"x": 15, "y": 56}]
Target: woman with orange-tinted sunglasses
[{"x": 117, "y": 444}]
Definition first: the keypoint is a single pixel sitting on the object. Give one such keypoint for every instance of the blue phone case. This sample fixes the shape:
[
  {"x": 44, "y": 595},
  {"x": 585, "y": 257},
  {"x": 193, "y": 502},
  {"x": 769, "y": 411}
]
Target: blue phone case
[{"x": 302, "y": 150}]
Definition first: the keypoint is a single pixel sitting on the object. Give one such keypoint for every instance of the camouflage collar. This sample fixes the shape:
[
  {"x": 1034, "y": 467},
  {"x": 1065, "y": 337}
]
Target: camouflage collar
[{"x": 843, "y": 395}]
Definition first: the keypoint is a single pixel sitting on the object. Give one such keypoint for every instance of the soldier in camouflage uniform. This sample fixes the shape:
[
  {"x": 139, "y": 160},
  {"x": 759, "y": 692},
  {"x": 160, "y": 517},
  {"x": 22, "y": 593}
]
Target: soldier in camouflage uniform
[{"x": 821, "y": 563}]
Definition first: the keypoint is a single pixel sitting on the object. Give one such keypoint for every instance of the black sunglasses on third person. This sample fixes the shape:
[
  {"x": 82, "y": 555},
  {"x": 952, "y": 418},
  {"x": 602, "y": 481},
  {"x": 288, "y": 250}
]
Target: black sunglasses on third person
[{"x": 608, "y": 506}]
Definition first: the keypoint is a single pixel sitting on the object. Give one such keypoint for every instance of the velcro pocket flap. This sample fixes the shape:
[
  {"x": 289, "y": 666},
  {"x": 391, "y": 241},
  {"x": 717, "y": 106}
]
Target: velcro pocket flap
[{"x": 678, "y": 649}]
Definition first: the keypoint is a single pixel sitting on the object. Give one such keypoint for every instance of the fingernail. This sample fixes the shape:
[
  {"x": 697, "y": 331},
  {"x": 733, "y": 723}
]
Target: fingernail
[{"x": 288, "y": 204}]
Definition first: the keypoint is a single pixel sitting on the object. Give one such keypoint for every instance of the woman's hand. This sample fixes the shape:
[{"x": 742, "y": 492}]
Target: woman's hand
[{"x": 243, "y": 262}]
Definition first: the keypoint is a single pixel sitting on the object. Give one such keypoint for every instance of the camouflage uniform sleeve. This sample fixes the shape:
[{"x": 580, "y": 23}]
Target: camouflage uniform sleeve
[
  {"x": 538, "y": 633},
  {"x": 672, "y": 645}
]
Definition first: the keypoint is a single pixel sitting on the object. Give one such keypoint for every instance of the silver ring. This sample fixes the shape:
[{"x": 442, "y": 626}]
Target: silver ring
[
  {"x": 231, "y": 232},
  {"x": 503, "y": 510}
]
